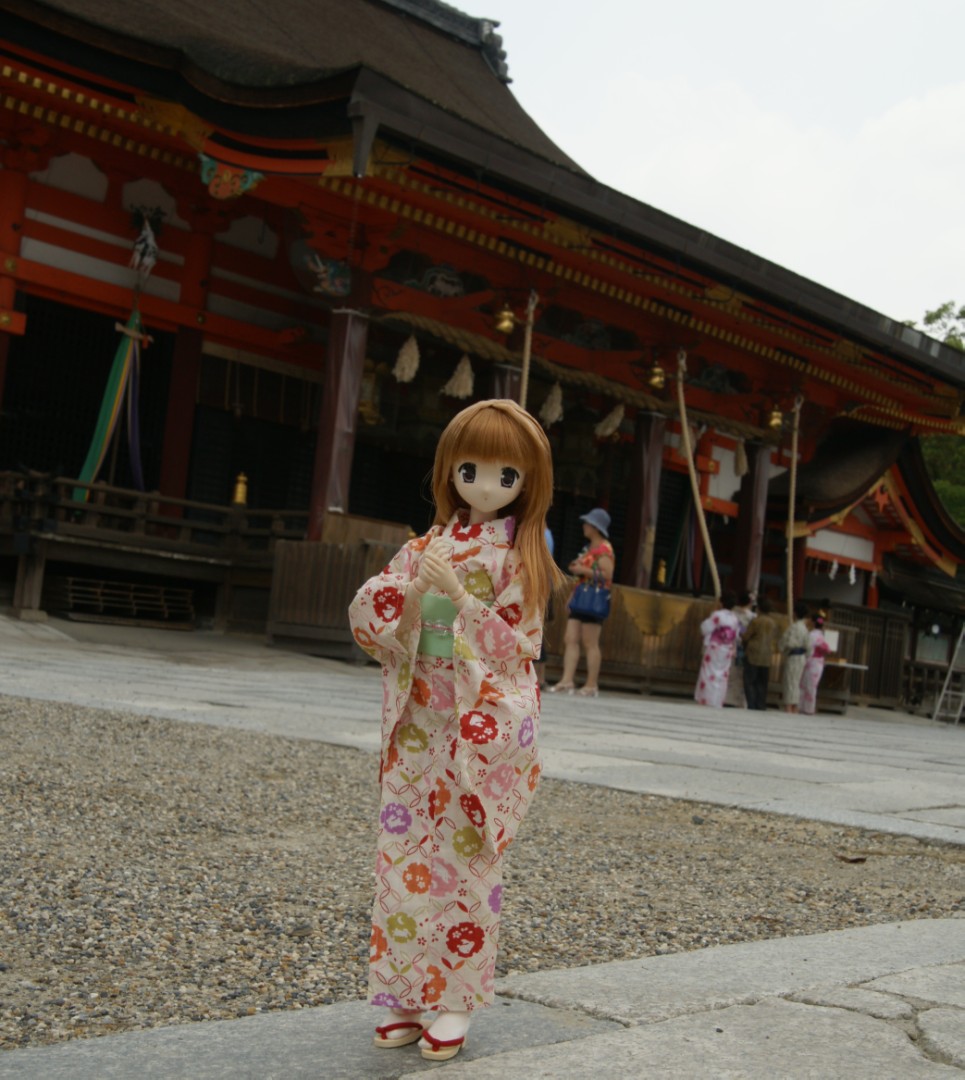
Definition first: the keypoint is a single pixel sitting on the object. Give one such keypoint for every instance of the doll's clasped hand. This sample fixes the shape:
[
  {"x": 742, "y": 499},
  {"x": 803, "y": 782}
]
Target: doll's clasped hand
[{"x": 436, "y": 571}]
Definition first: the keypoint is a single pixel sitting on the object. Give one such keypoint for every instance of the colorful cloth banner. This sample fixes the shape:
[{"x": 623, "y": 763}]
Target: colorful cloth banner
[{"x": 123, "y": 381}]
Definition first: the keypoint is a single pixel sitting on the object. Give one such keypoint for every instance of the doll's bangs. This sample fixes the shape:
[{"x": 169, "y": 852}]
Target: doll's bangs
[{"x": 491, "y": 435}]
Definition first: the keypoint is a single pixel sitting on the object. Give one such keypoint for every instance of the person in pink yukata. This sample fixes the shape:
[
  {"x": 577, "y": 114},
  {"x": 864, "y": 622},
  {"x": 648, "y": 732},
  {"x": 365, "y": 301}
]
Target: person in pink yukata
[
  {"x": 720, "y": 632},
  {"x": 818, "y": 650},
  {"x": 456, "y": 622}
]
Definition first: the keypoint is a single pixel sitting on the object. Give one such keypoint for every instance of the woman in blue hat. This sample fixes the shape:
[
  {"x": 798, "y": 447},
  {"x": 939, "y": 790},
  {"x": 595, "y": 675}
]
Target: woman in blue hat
[{"x": 595, "y": 562}]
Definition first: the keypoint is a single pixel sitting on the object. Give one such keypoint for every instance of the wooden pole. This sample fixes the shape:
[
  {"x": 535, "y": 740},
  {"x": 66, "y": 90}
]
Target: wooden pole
[
  {"x": 527, "y": 348},
  {"x": 692, "y": 469}
]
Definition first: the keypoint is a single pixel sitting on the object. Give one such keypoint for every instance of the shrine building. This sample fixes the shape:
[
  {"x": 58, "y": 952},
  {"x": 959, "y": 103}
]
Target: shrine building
[{"x": 253, "y": 260}]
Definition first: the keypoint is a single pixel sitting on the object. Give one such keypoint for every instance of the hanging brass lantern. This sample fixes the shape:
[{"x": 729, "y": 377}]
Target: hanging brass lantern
[
  {"x": 240, "y": 496},
  {"x": 775, "y": 419},
  {"x": 657, "y": 377},
  {"x": 505, "y": 319}
]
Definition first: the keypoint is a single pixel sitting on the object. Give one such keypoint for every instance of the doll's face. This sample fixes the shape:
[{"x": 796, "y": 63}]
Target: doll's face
[{"x": 487, "y": 486}]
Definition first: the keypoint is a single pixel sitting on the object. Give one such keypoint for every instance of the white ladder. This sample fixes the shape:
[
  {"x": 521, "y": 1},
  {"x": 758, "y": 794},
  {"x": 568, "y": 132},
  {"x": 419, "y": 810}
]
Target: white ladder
[{"x": 951, "y": 700}]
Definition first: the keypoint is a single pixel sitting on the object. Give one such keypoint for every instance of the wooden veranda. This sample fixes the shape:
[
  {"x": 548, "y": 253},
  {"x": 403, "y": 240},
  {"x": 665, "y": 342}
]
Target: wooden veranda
[{"x": 126, "y": 555}]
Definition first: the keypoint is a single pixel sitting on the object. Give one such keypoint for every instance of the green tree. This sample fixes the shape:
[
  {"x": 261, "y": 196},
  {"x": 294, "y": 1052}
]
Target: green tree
[
  {"x": 945, "y": 454},
  {"x": 947, "y": 323}
]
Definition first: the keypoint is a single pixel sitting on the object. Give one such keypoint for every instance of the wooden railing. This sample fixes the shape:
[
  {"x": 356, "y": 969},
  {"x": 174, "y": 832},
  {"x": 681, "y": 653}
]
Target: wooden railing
[
  {"x": 81, "y": 549},
  {"x": 43, "y": 504}
]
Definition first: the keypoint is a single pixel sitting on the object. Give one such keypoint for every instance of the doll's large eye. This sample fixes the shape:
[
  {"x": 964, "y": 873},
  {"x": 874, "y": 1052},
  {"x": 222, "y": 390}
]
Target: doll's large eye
[
  {"x": 509, "y": 477},
  {"x": 467, "y": 472}
]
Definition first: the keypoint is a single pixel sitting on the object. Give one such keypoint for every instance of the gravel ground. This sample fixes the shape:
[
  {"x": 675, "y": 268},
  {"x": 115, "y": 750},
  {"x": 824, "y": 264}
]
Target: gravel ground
[{"x": 153, "y": 872}]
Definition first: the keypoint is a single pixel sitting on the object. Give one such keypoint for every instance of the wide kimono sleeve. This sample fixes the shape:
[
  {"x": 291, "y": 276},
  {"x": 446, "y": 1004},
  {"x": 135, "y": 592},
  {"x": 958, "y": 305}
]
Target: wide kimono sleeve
[
  {"x": 818, "y": 645},
  {"x": 386, "y": 621},
  {"x": 495, "y": 755},
  {"x": 385, "y": 613}
]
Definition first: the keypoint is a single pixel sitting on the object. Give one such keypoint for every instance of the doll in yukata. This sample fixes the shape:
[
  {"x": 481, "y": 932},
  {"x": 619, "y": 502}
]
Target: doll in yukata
[{"x": 455, "y": 620}]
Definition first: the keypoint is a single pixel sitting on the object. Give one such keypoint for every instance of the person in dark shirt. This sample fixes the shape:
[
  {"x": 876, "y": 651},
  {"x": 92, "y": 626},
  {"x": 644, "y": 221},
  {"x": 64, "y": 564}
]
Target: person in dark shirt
[{"x": 758, "y": 642}]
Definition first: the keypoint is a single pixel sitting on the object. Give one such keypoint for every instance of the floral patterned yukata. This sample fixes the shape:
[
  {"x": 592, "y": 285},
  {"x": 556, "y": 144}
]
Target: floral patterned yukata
[
  {"x": 459, "y": 766},
  {"x": 720, "y": 632},
  {"x": 818, "y": 650}
]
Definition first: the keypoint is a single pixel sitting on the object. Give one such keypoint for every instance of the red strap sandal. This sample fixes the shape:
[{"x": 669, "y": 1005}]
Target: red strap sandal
[
  {"x": 442, "y": 1049},
  {"x": 384, "y": 1037}
]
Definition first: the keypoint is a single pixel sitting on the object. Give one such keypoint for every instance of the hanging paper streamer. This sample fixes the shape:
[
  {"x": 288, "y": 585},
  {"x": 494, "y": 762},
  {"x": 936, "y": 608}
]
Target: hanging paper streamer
[
  {"x": 145, "y": 252},
  {"x": 610, "y": 423},
  {"x": 460, "y": 383},
  {"x": 407, "y": 362},
  {"x": 552, "y": 409},
  {"x": 122, "y": 382}
]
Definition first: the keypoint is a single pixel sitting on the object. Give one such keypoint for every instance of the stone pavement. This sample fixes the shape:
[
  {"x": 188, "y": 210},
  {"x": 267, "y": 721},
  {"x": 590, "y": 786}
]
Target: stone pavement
[
  {"x": 872, "y": 768},
  {"x": 875, "y": 1002}
]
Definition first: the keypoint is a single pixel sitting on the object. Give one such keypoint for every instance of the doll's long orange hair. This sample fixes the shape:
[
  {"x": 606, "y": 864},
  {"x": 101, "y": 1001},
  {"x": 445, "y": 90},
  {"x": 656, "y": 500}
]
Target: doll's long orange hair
[{"x": 500, "y": 430}]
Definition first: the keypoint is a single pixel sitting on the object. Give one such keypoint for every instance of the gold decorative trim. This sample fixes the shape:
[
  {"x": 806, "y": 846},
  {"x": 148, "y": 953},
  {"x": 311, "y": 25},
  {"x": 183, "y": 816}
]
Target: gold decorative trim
[
  {"x": 169, "y": 118},
  {"x": 486, "y": 349},
  {"x": 893, "y": 415},
  {"x": 78, "y": 125},
  {"x": 572, "y": 236}
]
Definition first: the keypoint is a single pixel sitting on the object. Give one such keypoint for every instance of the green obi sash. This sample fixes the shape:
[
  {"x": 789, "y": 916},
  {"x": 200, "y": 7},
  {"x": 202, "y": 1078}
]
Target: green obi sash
[{"x": 438, "y": 613}]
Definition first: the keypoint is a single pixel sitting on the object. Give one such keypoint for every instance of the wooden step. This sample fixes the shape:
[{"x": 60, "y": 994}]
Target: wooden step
[{"x": 119, "y": 601}]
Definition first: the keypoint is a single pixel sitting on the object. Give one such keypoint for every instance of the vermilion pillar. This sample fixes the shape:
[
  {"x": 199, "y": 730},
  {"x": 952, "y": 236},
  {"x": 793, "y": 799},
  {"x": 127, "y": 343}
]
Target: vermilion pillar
[
  {"x": 179, "y": 421},
  {"x": 506, "y": 381},
  {"x": 185, "y": 370},
  {"x": 344, "y": 362},
  {"x": 644, "y": 500},
  {"x": 13, "y": 203}
]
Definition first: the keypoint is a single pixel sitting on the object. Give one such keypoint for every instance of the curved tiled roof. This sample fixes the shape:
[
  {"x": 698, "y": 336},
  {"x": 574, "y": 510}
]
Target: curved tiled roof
[
  {"x": 449, "y": 59},
  {"x": 851, "y": 460},
  {"x": 846, "y": 463}
]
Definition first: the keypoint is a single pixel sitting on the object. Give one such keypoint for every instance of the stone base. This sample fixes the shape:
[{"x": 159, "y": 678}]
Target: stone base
[{"x": 30, "y": 615}]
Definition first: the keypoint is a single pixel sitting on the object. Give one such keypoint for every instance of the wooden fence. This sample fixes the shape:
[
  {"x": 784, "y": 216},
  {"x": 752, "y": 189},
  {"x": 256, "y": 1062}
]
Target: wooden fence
[
  {"x": 651, "y": 642},
  {"x": 313, "y": 583}
]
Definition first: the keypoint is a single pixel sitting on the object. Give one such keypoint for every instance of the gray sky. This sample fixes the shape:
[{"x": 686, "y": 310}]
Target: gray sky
[{"x": 828, "y": 137}]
